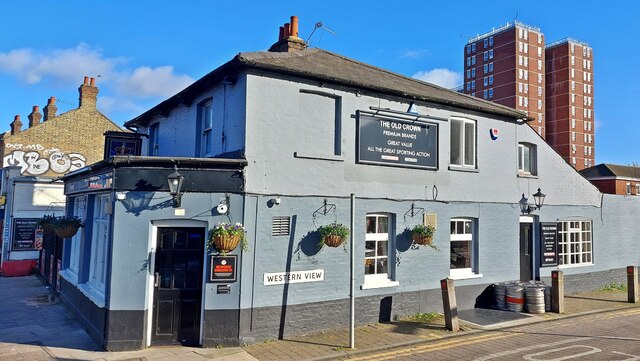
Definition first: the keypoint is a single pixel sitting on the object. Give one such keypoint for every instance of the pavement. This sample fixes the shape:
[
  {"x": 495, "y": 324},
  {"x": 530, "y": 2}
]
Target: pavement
[{"x": 35, "y": 326}]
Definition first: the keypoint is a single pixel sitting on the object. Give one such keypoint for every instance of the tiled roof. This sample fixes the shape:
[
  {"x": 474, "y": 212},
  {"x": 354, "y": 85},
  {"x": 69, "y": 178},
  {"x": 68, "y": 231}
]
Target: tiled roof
[
  {"x": 611, "y": 170},
  {"x": 322, "y": 65}
]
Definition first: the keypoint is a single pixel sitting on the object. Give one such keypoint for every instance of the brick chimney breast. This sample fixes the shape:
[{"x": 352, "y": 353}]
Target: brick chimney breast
[
  {"x": 16, "y": 125},
  {"x": 50, "y": 109},
  {"x": 288, "y": 39},
  {"x": 88, "y": 93},
  {"x": 35, "y": 116}
]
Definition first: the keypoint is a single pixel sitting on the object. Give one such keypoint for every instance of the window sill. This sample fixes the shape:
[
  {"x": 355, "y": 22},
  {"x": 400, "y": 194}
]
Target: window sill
[
  {"x": 564, "y": 266},
  {"x": 96, "y": 296},
  {"x": 70, "y": 276},
  {"x": 457, "y": 168},
  {"x": 527, "y": 175},
  {"x": 333, "y": 158},
  {"x": 379, "y": 284},
  {"x": 466, "y": 276}
]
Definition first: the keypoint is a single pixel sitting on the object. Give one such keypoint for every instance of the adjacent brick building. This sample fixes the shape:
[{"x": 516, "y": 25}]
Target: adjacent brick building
[
  {"x": 506, "y": 66},
  {"x": 60, "y": 143},
  {"x": 552, "y": 84},
  {"x": 569, "y": 89},
  {"x": 32, "y": 161},
  {"x": 614, "y": 178}
]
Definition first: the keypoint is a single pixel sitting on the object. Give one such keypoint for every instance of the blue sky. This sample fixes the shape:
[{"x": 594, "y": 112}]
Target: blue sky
[{"x": 142, "y": 52}]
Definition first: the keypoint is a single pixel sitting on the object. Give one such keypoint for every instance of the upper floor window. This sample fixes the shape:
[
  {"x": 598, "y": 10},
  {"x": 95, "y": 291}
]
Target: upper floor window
[
  {"x": 463, "y": 142},
  {"x": 206, "y": 123},
  {"x": 491, "y": 66},
  {"x": 468, "y": 49},
  {"x": 486, "y": 42},
  {"x": 153, "y": 139},
  {"x": 527, "y": 158},
  {"x": 490, "y": 53},
  {"x": 491, "y": 41},
  {"x": 473, "y": 47}
]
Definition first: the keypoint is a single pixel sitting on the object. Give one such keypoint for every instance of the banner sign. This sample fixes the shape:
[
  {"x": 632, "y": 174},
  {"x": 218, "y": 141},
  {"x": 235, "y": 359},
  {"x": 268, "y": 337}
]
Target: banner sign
[
  {"x": 24, "y": 233},
  {"x": 397, "y": 142}
]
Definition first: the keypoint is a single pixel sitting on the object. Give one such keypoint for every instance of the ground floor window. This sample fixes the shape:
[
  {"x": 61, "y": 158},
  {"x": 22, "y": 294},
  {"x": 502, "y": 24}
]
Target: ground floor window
[
  {"x": 79, "y": 205},
  {"x": 574, "y": 242},
  {"x": 462, "y": 247},
  {"x": 376, "y": 254},
  {"x": 99, "y": 242}
]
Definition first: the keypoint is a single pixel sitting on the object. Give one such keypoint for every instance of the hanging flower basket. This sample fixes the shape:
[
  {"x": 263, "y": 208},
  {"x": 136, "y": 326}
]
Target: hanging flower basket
[
  {"x": 46, "y": 223},
  {"x": 226, "y": 237},
  {"x": 227, "y": 243},
  {"x": 421, "y": 239},
  {"x": 333, "y": 240},
  {"x": 67, "y": 227},
  {"x": 422, "y": 235},
  {"x": 67, "y": 231},
  {"x": 333, "y": 235}
]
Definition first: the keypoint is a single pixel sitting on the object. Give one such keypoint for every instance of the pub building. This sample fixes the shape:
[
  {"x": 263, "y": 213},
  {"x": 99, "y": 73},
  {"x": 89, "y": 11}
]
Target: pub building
[{"x": 291, "y": 140}]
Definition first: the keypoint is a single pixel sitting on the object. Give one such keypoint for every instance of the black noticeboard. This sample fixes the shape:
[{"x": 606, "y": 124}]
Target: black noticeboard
[
  {"x": 549, "y": 246},
  {"x": 397, "y": 142},
  {"x": 223, "y": 268},
  {"x": 24, "y": 233}
]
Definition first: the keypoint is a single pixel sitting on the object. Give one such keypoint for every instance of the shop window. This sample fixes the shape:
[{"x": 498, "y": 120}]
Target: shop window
[
  {"x": 463, "y": 244},
  {"x": 463, "y": 143},
  {"x": 574, "y": 242},
  {"x": 378, "y": 249},
  {"x": 527, "y": 162},
  {"x": 99, "y": 243},
  {"x": 205, "y": 113},
  {"x": 153, "y": 139}
]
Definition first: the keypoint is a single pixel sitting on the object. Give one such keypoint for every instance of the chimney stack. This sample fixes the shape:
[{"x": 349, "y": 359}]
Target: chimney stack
[
  {"x": 88, "y": 93},
  {"x": 50, "y": 109},
  {"x": 16, "y": 125},
  {"x": 288, "y": 39},
  {"x": 35, "y": 116}
]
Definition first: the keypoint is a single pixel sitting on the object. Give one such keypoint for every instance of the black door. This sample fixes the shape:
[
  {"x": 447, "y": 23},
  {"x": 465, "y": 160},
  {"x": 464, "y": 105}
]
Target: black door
[
  {"x": 526, "y": 237},
  {"x": 178, "y": 286}
]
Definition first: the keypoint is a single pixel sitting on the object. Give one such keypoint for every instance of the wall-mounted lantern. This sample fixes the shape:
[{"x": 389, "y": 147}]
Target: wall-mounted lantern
[
  {"x": 538, "y": 199},
  {"x": 175, "y": 180}
]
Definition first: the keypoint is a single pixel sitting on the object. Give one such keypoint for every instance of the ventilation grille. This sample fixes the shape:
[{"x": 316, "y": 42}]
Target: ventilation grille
[{"x": 280, "y": 226}]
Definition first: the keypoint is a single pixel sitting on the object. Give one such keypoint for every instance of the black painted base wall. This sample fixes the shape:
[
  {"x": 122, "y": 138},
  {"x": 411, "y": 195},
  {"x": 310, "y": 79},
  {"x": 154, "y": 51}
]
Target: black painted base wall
[
  {"x": 221, "y": 328},
  {"x": 125, "y": 330},
  {"x": 90, "y": 316}
]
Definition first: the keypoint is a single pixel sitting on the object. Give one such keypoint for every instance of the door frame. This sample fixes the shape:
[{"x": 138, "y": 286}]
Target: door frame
[
  {"x": 531, "y": 220},
  {"x": 152, "y": 243}
]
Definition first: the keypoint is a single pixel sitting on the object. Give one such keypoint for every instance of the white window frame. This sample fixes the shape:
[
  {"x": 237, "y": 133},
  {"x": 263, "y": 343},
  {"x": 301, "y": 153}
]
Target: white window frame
[
  {"x": 379, "y": 280},
  {"x": 79, "y": 204},
  {"x": 522, "y": 169},
  {"x": 462, "y": 143},
  {"x": 471, "y": 237},
  {"x": 99, "y": 243},
  {"x": 154, "y": 134},
  {"x": 490, "y": 93},
  {"x": 206, "y": 122},
  {"x": 579, "y": 234}
]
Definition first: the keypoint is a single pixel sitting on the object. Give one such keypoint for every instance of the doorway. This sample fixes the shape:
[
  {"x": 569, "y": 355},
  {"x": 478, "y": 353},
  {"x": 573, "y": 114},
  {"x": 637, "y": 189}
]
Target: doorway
[
  {"x": 177, "y": 291},
  {"x": 526, "y": 250}
]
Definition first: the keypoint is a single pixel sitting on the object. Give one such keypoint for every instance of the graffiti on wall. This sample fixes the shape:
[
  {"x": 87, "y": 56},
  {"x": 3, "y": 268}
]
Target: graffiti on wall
[{"x": 34, "y": 159}]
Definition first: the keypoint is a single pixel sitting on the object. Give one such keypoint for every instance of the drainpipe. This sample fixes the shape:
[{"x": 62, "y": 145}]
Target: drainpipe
[{"x": 352, "y": 296}]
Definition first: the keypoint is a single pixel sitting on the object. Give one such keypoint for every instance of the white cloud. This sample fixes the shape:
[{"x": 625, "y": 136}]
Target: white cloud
[
  {"x": 149, "y": 82},
  {"x": 123, "y": 89},
  {"x": 61, "y": 66},
  {"x": 443, "y": 77}
]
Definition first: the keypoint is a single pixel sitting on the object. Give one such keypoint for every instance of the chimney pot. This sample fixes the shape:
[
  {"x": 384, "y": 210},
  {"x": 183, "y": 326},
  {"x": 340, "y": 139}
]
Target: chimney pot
[
  {"x": 35, "y": 116},
  {"x": 287, "y": 30},
  {"x": 281, "y": 34},
  {"x": 88, "y": 93},
  {"x": 16, "y": 125},
  {"x": 294, "y": 26},
  {"x": 93, "y": 82},
  {"x": 50, "y": 109}
]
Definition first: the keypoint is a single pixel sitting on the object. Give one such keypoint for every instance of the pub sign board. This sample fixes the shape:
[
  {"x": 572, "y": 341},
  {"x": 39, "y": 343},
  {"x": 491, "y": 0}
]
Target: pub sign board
[
  {"x": 395, "y": 142},
  {"x": 549, "y": 246},
  {"x": 24, "y": 234},
  {"x": 223, "y": 268}
]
